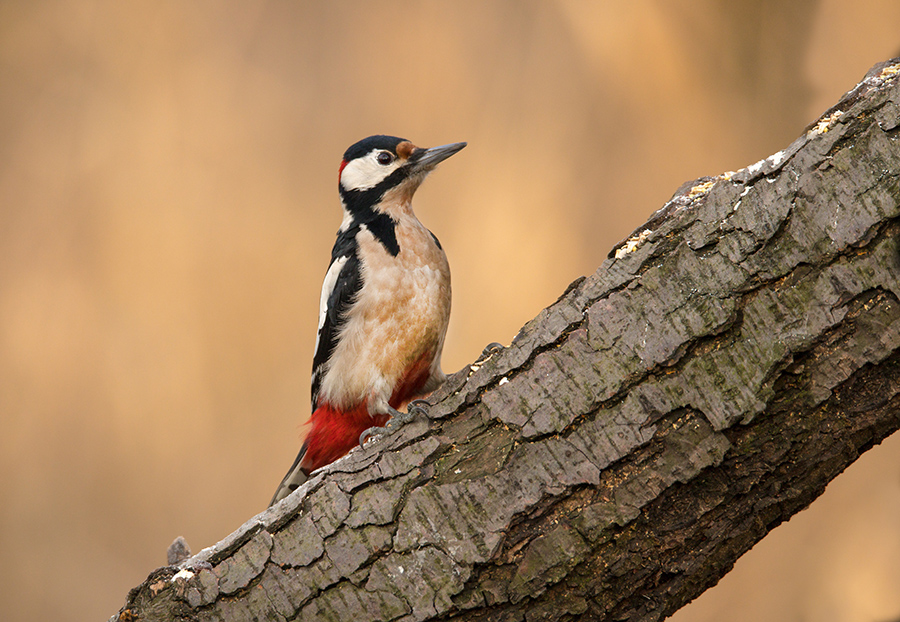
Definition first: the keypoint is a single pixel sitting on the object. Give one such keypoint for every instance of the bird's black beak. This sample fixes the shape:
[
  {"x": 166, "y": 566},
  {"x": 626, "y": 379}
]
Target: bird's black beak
[{"x": 423, "y": 160}]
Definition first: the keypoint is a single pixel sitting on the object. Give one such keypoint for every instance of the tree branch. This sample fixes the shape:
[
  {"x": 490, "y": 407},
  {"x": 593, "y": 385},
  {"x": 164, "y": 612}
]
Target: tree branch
[{"x": 731, "y": 358}]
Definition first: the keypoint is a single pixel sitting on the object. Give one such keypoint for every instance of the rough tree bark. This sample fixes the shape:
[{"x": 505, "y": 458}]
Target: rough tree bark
[{"x": 639, "y": 435}]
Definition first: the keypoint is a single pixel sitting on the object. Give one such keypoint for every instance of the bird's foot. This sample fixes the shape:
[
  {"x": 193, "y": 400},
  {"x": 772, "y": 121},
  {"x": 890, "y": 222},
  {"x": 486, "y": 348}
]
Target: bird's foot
[
  {"x": 489, "y": 350},
  {"x": 398, "y": 419},
  {"x": 418, "y": 407}
]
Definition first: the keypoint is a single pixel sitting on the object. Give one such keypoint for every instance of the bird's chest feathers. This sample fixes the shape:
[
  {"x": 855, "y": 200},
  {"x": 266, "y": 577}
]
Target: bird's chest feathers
[
  {"x": 399, "y": 316},
  {"x": 413, "y": 282}
]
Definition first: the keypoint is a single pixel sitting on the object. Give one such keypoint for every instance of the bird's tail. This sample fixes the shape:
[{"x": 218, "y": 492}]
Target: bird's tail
[{"x": 295, "y": 477}]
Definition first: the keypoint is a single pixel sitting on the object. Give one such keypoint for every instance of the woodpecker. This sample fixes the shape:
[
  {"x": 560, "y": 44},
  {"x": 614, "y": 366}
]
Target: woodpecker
[{"x": 385, "y": 304}]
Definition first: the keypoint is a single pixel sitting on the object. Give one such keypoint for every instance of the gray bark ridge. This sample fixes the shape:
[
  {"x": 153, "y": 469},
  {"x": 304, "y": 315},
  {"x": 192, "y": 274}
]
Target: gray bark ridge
[{"x": 726, "y": 361}]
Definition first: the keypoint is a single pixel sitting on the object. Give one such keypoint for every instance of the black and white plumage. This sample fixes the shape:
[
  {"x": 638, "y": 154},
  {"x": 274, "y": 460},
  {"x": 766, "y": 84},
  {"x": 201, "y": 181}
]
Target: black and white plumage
[{"x": 385, "y": 302}]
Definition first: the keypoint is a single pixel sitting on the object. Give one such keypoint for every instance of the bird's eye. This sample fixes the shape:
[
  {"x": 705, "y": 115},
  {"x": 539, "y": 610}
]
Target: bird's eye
[{"x": 384, "y": 158}]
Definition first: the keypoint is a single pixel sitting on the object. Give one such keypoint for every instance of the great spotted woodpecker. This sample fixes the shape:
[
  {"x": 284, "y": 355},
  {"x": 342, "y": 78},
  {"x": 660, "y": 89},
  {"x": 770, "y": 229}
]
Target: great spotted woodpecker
[{"x": 385, "y": 303}]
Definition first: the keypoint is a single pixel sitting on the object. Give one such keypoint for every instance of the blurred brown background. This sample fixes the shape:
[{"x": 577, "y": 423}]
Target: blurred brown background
[{"x": 168, "y": 201}]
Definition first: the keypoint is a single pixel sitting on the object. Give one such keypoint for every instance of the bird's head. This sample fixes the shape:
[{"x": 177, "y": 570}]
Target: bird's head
[{"x": 386, "y": 166}]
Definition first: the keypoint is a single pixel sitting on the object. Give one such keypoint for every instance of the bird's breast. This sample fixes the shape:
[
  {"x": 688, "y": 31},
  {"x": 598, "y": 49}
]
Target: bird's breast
[
  {"x": 399, "y": 316},
  {"x": 409, "y": 291}
]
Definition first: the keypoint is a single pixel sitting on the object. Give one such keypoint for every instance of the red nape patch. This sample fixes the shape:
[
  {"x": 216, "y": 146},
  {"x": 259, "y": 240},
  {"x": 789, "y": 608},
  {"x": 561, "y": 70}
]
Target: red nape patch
[
  {"x": 341, "y": 169},
  {"x": 335, "y": 432}
]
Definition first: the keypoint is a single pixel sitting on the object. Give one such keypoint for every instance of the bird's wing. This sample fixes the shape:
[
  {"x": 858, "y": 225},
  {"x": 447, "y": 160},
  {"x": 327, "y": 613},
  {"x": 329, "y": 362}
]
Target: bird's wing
[{"x": 342, "y": 282}]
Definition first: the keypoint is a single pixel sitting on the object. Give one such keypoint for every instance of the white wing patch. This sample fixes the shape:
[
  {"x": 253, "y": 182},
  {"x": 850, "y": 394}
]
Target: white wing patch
[
  {"x": 365, "y": 172},
  {"x": 328, "y": 285},
  {"x": 331, "y": 277}
]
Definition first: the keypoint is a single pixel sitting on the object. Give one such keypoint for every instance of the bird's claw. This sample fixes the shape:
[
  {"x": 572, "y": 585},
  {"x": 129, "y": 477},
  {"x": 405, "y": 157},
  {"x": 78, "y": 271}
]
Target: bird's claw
[
  {"x": 416, "y": 408},
  {"x": 370, "y": 432},
  {"x": 489, "y": 350},
  {"x": 397, "y": 420}
]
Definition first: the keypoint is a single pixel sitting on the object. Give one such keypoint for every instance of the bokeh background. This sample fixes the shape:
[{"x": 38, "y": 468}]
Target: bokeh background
[{"x": 168, "y": 177}]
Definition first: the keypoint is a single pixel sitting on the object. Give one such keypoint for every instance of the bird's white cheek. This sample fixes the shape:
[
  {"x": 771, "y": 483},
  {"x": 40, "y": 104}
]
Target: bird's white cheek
[{"x": 365, "y": 173}]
